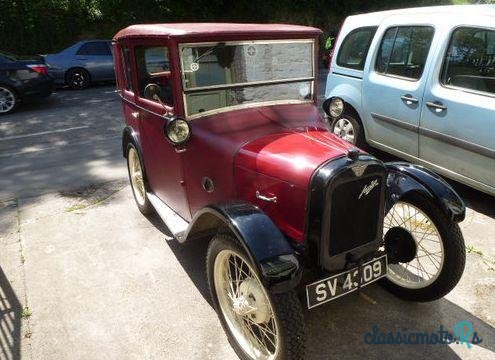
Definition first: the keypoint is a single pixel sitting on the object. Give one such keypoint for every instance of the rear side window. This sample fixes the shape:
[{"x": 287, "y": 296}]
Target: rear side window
[
  {"x": 404, "y": 50},
  {"x": 95, "y": 48},
  {"x": 470, "y": 60},
  {"x": 354, "y": 48},
  {"x": 126, "y": 58}
]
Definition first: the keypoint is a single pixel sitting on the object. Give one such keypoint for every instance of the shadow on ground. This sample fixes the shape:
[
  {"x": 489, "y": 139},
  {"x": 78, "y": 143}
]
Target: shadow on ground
[
  {"x": 337, "y": 329},
  {"x": 10, "y": 320}
]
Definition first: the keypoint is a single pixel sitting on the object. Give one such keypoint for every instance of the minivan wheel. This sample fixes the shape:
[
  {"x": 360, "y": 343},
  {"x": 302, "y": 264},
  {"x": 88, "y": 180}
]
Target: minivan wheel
[
  {"x": 8, "y": 100},
  {"x": 425, "y": 249},
  {"x": 259, "y": 324},
  {"x": 78, "y": 79},
  {"x": 349, "y": 129},
  {"x": 137, "y": 180}
]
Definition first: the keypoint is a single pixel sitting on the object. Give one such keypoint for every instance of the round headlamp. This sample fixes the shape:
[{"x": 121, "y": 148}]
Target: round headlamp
[
  {"x": 178, "y": 131},
  {"x": 336, "y": 107}
]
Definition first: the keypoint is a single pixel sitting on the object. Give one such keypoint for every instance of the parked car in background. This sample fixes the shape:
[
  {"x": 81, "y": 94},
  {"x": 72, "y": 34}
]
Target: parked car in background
[
  {"x": 22, "y": 79},
  {"x": 83, "y": 63},
  {"x": 224, "y": 141},
  {"x": 420, "y": 84}
]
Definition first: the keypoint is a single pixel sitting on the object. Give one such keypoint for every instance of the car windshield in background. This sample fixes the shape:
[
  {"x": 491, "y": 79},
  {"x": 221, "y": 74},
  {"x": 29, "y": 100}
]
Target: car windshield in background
[{"x": 220, "y": 76}]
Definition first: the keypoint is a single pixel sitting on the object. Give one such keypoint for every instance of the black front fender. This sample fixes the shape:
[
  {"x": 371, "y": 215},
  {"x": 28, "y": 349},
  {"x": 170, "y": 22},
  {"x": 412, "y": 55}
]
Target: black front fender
[
  {"x": 266, "y": 246},
  {"x": 404, "y": 178}
]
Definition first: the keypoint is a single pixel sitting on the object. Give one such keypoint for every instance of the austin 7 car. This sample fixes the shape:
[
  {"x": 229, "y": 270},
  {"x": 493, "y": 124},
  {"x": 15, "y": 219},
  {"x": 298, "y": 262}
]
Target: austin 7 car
[{"x": 224, "y": 141}]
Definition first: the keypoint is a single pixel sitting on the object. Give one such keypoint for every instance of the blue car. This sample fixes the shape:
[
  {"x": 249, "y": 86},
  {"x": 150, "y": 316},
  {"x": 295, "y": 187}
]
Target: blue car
[
  {"x": 22, "y": 79},
  {"x": 420, "y": 84},
  {"x": 83, "y": 63}
]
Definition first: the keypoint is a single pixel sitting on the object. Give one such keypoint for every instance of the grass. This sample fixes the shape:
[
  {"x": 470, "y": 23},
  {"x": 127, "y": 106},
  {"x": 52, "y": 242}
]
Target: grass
[
  {"x": 489, "y": 262},
  {"x": 26, "y": 313}
]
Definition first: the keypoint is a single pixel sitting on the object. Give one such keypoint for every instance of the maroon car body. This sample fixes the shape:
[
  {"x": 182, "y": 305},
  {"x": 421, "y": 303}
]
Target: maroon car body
[{"x": 223, "y": 137}]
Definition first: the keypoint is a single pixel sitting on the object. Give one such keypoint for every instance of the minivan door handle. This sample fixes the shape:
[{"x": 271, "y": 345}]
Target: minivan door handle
[
  {"x": 409, "y": 100},
  {"x": 436, "y": 105}
]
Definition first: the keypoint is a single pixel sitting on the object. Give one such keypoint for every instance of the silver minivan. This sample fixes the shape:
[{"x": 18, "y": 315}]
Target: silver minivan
[{"x": 420, "y": 84}]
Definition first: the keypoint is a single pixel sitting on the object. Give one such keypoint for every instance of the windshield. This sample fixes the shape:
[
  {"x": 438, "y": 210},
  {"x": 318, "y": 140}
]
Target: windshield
[{"x": 219, "y": 76}]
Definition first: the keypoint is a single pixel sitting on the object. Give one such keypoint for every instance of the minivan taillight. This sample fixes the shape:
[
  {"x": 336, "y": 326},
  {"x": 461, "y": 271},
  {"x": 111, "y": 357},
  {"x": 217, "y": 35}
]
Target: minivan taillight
[{"x": 39, "y": 68}]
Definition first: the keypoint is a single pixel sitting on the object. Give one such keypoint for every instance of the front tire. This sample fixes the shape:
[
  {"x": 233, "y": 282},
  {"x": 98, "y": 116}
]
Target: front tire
[
  {"x": 138, "y": 180},
  {"x": 349, "y": 129},
  {"x": 428, "y": 248},
  {"x": 259, "y": 324}
]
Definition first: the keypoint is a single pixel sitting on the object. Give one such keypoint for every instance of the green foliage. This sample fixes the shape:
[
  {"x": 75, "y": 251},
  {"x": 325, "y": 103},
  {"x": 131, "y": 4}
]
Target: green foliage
[{"x": 45, "y": 26}]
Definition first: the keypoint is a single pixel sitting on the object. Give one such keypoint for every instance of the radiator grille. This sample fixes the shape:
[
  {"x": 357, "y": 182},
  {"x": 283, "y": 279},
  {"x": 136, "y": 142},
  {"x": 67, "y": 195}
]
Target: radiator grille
[{"x": 354, "y": 214}]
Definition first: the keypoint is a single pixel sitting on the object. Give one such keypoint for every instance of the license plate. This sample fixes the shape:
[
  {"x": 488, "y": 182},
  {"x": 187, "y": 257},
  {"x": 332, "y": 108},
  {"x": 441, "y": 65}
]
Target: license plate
[{"x": 335, "y": 286}]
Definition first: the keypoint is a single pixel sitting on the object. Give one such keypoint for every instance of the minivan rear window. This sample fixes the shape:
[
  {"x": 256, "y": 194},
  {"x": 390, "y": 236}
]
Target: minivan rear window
[
  {"x": 354, "y": 48},
  {"x": 470, "y": 60}
]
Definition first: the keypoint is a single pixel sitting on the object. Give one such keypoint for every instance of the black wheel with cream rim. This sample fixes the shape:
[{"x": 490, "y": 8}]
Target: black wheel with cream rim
[
  {"x": 259, "y": 324},
  {"x": 426, "y": 251},
  {"x": 138, "y": 180}
]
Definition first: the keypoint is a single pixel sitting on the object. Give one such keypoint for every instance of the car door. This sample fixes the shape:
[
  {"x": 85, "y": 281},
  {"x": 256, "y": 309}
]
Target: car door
[
  {"x": 394, "y": 84},
  {"x": 96, "y": 57},
  {"x": 163, "y": 161},
  {"x": 457, "y": 132}
]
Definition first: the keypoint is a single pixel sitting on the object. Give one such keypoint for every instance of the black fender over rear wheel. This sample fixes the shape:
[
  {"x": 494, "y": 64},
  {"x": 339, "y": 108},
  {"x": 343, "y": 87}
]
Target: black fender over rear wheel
[
  {"x": 426, "y": 250},
  {"x": 259, "y": 324}
]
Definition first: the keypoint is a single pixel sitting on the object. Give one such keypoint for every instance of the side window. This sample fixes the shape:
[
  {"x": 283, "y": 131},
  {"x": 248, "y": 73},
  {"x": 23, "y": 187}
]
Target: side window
[
  {"x": 126, "y": 58},
  {"x": 354, "y": 48},
  {"x": 94, "y": 48},
  {"x": 470, "y": 60},
  {"x": 153, "y": 67},
  {"x": 404, "y": 50}
]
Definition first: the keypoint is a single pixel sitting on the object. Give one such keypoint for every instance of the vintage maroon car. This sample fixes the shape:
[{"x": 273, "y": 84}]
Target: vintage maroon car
[{"x": 224, "y": 141}]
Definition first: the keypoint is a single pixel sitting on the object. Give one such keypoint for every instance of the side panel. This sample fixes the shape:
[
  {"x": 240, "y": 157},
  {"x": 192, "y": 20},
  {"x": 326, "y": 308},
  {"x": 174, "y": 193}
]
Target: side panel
[{"x": 461, "y": 138}]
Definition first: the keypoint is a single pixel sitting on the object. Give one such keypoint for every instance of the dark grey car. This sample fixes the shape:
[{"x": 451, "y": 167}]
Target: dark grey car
[{"x": 82, "y": 63}]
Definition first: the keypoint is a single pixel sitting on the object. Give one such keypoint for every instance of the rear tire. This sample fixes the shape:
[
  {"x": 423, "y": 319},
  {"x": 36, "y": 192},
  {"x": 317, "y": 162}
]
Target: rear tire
[
  {"x": 78, "y": 79},
  {"x": 348, "y": 128},
  {"x": 137, "y": 178},
  {"x": 281, "y": 313},
  {"x": 9, "y": 101},
  {"x": 439, "y": 272}
]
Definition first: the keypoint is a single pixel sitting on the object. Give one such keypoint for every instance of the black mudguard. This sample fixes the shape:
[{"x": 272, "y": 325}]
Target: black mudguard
[
  {"x": 404, "y": 178},
  {"x": 130, "y": 136},
  {"x": 266, "y": 246}
]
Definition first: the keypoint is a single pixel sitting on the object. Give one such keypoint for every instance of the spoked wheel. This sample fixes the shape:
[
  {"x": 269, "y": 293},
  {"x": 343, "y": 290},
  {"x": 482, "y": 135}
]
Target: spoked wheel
[
  {"x": 349, "y": 129},
  {"x": 136, "y": 177},
  {"x": 8, "y": 100},
  {"x": 78, "y": 79},
  {"x": 259, "y": 325},
  {"x": 425, "y": 250}
]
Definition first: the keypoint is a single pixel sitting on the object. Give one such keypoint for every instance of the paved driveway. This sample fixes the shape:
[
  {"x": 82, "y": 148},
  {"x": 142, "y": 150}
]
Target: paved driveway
[{"x": 84, "y": 276}]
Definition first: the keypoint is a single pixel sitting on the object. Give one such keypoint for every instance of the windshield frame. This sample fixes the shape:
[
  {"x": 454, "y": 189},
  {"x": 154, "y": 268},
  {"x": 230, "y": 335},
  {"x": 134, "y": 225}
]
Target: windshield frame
[{"x": 185, "y": 90}]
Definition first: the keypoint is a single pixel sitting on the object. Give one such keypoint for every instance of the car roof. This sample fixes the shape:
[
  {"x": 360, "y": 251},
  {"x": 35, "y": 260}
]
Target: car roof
[
  {"x": 183, "y": 30},
  {"x": 469, "y": 10}
]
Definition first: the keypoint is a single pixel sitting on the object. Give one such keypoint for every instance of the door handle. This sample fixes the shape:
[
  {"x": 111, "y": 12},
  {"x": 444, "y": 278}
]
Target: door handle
[
  {"x": 135, "y": 114},
  {"x": 409, "y": 100},
  {"x": 437, "y": 105},
  {"x": 266, "y": 198}
]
